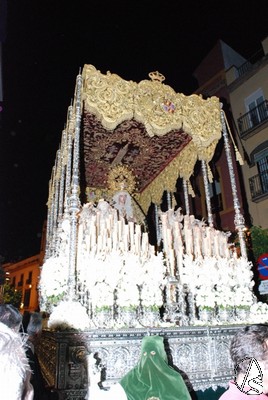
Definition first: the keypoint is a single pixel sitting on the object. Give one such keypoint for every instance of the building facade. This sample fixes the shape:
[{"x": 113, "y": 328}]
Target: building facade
[
  {"x": 211, "y": 78},
  {"x": 248, "y": 93},
  {"x": 24, "y": 276}
]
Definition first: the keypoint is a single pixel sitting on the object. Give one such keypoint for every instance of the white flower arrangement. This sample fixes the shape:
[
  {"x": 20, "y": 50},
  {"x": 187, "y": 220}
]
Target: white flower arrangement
[
  {"x": 69, "y": 315},
  {"x": 153, "y": 283},
  {"x": 128, "y": 296},
  {"x": 113, "y": 270},
  {"x": 124, "y": 279},
  {"x": 224, "y": 282},
  {"x": 102, "y": 296},
  {"x": 259, "y": 313},
  {"x": 53, "y": 281}
]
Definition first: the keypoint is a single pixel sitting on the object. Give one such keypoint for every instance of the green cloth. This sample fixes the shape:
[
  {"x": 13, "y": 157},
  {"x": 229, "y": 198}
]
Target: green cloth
[{"x": 152, "y": 377}]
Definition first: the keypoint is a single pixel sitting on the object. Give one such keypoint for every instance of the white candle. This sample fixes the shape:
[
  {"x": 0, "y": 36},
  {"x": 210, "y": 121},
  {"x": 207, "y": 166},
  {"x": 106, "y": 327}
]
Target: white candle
[
  {"x": 98, "y": 221},
  {"x": 171, "y": 262},
  {"x": 144, "y": 243},
  {"x": 109, "y": 244},
  {"x": 208, "y": 241},
  {"x": 169, "y": 239},
  {"x": 131, "y": 232},
  {"x": 119, "y": 230},
  {"x": 216, "y": 242},
  {"x": 197, "y": 241},
  {"x": 100, "y": 239}
]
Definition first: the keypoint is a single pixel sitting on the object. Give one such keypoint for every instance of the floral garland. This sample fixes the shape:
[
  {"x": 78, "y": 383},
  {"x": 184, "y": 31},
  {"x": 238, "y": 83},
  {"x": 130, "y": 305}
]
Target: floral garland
[
  {"x": 53, "y": 282},
  {"x": 219, "y": 282},
  {"x": 69, "y": 315},
  {"x": 113, "y": 274},
  {"x": 125, "y": 279}
]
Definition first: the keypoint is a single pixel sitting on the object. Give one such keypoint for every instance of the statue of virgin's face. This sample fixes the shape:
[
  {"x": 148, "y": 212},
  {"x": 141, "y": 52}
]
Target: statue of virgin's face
[{"x": 122, "y": 198}]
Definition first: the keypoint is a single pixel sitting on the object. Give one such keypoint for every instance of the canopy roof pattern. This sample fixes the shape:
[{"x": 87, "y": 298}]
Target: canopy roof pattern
[{"x": 148, "y": 127}]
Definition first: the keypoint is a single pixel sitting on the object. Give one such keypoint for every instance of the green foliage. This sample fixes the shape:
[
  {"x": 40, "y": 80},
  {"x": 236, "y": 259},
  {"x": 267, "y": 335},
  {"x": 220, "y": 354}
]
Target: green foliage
[
  {"x": 11, "y": 296},
  {"x": 259, "y": 240},
  {"x": 103, "y": 308}
]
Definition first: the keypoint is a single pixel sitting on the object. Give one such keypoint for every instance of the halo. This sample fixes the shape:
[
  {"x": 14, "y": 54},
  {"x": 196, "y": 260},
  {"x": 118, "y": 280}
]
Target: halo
[{"x": 120, "y": 178}]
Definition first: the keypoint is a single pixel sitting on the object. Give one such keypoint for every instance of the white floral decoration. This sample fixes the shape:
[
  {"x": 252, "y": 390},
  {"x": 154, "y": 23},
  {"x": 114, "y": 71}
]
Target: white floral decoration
[
  {"x": 53, "y": 281},
  {"x": 116, "y": 267},
  {"x": 259, "y": 313},
  {"x": 69, "y": 315}
]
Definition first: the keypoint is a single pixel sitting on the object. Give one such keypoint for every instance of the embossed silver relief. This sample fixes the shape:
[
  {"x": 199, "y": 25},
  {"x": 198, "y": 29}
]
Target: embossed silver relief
[{"x": 201, "y": 355}]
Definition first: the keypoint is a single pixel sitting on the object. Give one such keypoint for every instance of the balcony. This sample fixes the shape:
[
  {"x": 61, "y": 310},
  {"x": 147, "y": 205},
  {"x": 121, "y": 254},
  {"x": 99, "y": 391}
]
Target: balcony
[
  {"x": 247, "y": 66},
  {"x": 259, "y": 187},
  {"x": 253, "y": 119}
]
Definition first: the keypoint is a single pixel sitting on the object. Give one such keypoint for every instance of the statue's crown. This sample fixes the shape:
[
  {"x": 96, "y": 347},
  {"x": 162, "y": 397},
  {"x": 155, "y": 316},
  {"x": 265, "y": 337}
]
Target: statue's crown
[{"x": 156, "y": 76}]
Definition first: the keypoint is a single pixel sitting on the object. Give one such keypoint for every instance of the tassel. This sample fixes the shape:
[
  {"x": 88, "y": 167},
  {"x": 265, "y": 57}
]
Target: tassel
[
  {"x": 238, "y": 156},
  {"x": 190, "y": 189},
  {"x": 237, "y": 153},
  {"x": 210, "y": 175}
]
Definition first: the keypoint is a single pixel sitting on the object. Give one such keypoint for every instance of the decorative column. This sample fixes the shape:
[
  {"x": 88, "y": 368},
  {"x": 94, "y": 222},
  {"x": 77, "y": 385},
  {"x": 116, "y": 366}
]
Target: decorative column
[
  {"x": 49, "y": 220},
  {"x": 52, "y": 210},
  {"x": 186, "y": 197},
  {"x": 158, "y": 225},
  {"x": 62, "y": 174},
  {"x": 206, "y": 185},
  {"x": 69, "y": 157},
  {"x": 74, "y": 205},
  {"x": 61, "y": 184},
  {"x": 56, "y": 202},
  {"x": 239, "y": 219}
]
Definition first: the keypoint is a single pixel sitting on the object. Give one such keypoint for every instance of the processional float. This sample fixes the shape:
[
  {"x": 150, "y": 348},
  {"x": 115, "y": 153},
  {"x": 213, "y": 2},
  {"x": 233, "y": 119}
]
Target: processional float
[{"x": 106, "y": 277}]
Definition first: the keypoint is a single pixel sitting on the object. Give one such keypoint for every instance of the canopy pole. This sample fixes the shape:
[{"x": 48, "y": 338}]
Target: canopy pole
[
  {"x": 74, "y": 205},
  {"x": 239, "y": 220},
  {"x": 169, "y": 200},
  {"x": 206, "y": 185},
  {"x": 186, "y": 197}
]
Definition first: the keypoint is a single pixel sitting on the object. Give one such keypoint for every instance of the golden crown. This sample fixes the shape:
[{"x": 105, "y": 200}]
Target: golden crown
[
  {"x": 121, "y": 177},
  {"x": 156, "y": 76}
]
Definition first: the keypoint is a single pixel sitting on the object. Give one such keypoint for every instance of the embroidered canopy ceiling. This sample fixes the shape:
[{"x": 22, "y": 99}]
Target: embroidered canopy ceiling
[{"x": 147, "y": 127}]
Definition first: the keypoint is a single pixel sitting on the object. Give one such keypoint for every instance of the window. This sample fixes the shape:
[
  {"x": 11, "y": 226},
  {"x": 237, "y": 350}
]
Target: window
[
  {"x": 27, "y": 295},
  {"x": 256, "y": 106},
  {"x": 261, "y": 160},
  {"x": 29, "y": 280},
  {"x": 215, "y": 196},
  {"x": 20, "y": 283}
]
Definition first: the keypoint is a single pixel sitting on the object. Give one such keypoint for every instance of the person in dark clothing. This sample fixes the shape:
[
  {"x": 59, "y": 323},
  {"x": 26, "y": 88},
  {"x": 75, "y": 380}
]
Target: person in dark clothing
[
  {"x": 33, "y": 326},
  {"x": 11, "y": 317}
]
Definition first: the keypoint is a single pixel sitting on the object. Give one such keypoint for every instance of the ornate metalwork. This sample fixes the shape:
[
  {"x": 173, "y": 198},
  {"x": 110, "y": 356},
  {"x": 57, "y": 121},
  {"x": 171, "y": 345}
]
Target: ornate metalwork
[
  {"x": 68, "y": 160},
  {"x": 62, "y": 175},
  {"x": 186, "y": 197},
  {"x": 239, "y": 219},
  {"x": 206, "y": 185},
  {"x": 202, "y": 353},
  {"x": 74, "y": 197},
  {"x": 115, "y": 100},
  {"x": 169, "y": 200}
]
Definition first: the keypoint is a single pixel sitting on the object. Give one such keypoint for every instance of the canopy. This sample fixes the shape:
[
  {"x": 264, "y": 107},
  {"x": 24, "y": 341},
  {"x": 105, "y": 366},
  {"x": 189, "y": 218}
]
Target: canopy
[{"x": 152, "y": 132}]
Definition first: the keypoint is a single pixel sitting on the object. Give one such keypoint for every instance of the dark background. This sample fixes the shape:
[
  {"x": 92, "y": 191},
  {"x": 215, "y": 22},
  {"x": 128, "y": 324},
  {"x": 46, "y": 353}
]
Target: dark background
[{"x": 45, "y": 44}]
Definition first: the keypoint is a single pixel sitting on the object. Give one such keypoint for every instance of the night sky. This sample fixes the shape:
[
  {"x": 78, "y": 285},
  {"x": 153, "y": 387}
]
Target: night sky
[{"x": 45, "y": 44}]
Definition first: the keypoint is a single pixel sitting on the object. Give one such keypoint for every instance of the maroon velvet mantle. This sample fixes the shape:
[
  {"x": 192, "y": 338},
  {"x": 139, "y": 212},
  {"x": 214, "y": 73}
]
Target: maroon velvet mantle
[{"x": 128, "y": 144}]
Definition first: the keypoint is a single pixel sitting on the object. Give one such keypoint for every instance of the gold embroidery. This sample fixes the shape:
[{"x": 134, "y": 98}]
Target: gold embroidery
[{"x": 114, "y": 100}]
